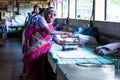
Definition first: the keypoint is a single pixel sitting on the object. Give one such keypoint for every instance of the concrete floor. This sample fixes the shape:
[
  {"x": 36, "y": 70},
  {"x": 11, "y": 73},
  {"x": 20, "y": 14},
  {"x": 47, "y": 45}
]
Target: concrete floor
[
  {"x": 11, "y": 64},
  {"x": 11, "y": 55}
]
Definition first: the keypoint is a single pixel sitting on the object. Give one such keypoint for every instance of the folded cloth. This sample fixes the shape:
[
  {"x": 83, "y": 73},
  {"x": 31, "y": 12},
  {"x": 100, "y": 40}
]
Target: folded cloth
[
  {"x": 86, "y": 39},
  {"x": 108, "y": 48}
]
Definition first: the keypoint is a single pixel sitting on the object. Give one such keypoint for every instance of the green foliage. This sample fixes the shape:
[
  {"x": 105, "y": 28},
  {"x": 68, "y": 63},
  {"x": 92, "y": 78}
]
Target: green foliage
[{"x": 113, "y": 1}]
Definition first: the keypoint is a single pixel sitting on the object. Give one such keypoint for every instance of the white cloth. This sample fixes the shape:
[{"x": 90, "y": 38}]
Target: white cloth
[
  {"x": 18, "y": 20},
  {"x": 108, "y": 48},
  {"x": 79, "y": 53},
  {"x": 87, "y": 39}
]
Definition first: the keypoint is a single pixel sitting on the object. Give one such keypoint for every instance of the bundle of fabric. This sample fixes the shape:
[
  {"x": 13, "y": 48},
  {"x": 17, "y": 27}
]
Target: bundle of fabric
[
  {"x": 86, "y": 39},
  {"x": 108, "y": 48}
]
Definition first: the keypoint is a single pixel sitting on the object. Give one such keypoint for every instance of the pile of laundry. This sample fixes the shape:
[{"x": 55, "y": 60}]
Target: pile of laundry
[{"x": 108, "y": 48}]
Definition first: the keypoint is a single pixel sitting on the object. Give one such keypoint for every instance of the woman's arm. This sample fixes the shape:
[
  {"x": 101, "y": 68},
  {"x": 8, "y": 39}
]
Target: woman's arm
[
  {"x": 54, "y": 32},
  {"x": 43, "y": 24},
  {"x": 62, "y": 33}
]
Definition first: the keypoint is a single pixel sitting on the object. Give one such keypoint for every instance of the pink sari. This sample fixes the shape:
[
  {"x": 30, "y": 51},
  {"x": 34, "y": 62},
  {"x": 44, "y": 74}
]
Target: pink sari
[{"x": 35, "y": 57}]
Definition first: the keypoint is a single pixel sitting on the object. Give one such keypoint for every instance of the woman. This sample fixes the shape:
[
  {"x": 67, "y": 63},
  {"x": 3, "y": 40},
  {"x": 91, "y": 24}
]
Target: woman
[
  {"x": 37, "y": 45},
  {"x": 42, "y": 11},
  {"x": 36, "y": 10}
]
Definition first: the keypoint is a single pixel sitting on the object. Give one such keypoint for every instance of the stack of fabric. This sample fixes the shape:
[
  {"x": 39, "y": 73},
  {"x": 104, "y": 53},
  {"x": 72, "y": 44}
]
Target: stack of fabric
[{"x": 108, "y": 48}]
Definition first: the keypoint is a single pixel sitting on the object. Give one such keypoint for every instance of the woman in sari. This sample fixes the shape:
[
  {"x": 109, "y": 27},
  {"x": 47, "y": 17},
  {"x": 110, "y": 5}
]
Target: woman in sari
[
  {"x": 35, "y": 12},
  {"x": 37, "y": 45}
]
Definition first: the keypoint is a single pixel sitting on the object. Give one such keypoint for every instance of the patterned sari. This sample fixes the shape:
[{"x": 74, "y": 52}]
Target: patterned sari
[{"x": 35, "y": 58}]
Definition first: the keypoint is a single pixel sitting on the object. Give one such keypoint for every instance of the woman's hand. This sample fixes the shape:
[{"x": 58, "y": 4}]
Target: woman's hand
[
  {"x": 59, "y": 42},
  {"x": 66, "y": 34},
  {"x": 72, "y": 35}
]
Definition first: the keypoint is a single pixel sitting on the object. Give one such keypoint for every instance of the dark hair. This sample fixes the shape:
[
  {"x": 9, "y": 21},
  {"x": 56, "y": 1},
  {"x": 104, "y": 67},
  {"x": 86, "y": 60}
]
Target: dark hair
[
  {"x": 29, "y": 14},
  {"x": 42, "y": 10},
  {"x": 36, "y": 6}
]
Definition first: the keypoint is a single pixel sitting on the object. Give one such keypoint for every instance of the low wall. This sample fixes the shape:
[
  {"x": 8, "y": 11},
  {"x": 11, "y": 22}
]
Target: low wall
[{"x": 108, "y": 31}]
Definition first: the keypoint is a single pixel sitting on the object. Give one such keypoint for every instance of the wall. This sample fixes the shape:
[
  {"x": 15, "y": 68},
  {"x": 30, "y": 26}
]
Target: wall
[
  {"x": 73, "y": 23},
  {"x": 108, "y": 31}
]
